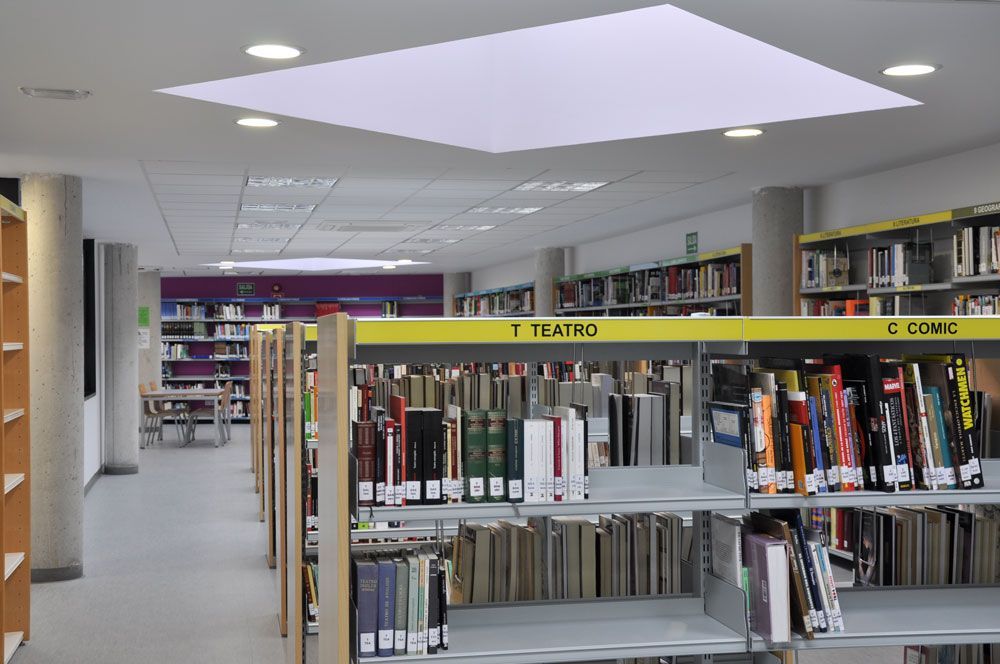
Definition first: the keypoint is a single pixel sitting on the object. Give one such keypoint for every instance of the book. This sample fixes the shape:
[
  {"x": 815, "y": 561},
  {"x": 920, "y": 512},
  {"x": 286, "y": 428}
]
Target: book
[
  {"x": 386, "y": 634},
  {"x": 496, "y": 455},
  {"x": 515, "y": 460},
  {"x": 474, "y": 436},
  {"x": 767, "y": 561},
  {"x": 366, "y": 583}
]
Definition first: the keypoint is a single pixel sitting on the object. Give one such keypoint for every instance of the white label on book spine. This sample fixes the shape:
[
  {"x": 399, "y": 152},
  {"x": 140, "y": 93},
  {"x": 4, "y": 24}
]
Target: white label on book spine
[
  {"x": 833, "y": 475},
  {"x": 368, "y": 642},
  {"x": 974, "y": 466},
  {"x": 889, "y": 472},
  {"x": 813, "y": 619},
  {"x": 780, "y": 480},
  {"x": 390, "y": 495},
  {"x": 560, "y": 486},
  {"x": 873, "y": 472},
  {"x": 514, "y": 489},
  {"x": 433, "y": 489},
  {"x": 751, "y": 479},
  {"x": 366, "y": 491},
  {"x": 819, "y": 477},
  {"x": 966, "y": 472},
  {"x": 380, "y": 493},
  {"x": 810, "y": 483},
  {"x": 949, "y": 473},
  {"x": 413, "y": 490},
  {"x": 411, "y": 643},
  {"x": 444, "y": 634},
  {"x": 531, "y": 490},
  {"x": 385, "y": 638},
  {"x": 476, "y": 487},
  {"x": 433, "y": 637},
  {"x": 496, "y": 487},
  {"x": 771, "y": 477},
  {"x": 400, "y": 639},
  {"x": 902, "y": 472}
]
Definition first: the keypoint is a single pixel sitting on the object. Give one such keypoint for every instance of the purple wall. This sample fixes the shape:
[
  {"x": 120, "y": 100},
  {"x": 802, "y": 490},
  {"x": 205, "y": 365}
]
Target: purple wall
[{"x": 430, "y": 285}]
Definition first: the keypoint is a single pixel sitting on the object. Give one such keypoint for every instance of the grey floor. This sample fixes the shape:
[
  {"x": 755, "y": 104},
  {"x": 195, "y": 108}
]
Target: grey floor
[{"x": 174, "y": 568}]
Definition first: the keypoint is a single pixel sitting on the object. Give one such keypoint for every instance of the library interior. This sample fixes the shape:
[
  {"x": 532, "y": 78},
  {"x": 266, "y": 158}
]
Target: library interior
[{"x": 627, "y": 331}]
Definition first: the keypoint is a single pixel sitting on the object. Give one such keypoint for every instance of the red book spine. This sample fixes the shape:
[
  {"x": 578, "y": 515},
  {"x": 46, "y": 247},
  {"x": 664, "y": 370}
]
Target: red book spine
[
  {"x": 906, "y": 424},
  {"x": 843, "y": 437},
  {"x": 365, "y": 445}
]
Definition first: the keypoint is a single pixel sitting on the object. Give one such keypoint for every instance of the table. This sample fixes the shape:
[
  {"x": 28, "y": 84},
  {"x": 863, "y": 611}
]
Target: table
[{"x": 213, "y": 394}]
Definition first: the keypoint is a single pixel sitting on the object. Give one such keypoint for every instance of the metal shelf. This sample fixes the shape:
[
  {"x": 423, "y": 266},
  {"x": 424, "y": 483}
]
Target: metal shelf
[
  {"x": 12, "y": 345},
  {"x": 912, "y": 288},
  {"x": 11, "y": 480},
  {"x": 905, "y": 616},
  {"x": 312, "y": 628},
  {"x": 9, "y": 278},
  {"x": 826, "y": 290},
  {"x": 989, "y": 494},
  {"x": 205, "y": 359},
  {"x": 404, "y": 532},
  {"x": 202, "y": 379},
  {"x": 653, "y": 303},
  {"x": 11, "y": 562},
  {"x": 11, "y": 414},
  {"x": 975, "y": 279},
  {"x": 548, "y": 633},
  {"x": 11, "y": 640},
  {"x": 627, "y": 490}
]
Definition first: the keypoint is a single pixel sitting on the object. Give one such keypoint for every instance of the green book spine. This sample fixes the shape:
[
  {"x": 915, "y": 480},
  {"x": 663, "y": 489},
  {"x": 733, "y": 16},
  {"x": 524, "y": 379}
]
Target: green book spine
[
  {"x": 474, "y": 437},
  {"x": 307, "y": 414},
  {"x": 496, "y": 455}
]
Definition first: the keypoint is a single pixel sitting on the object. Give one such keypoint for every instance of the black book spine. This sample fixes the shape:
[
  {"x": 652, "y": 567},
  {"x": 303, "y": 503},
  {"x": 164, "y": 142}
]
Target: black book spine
[
  {"x": 829, "y": 438},
  {"x": 784, "y": 431},
  {"x": 963, "y": 413},
  {"x": 433, "y": 606},
  {"x": 414, "y": 469},
  {"x": 432, "y": 442},
  {"x": 378, "y": 415}
]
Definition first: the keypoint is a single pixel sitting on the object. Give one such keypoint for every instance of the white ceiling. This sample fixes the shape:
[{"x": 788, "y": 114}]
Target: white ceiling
[{"x": 168, "y": 173}]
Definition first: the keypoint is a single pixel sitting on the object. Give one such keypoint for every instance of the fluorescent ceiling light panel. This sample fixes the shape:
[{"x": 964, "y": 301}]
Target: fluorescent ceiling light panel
[
  {"x": 267, "y": 226},
  {"x": 559, "y": 186},
  {"x": 321, "y": 264},
  {"x": 463, "y": 228},
  {"x": 270, "y": 181},
  {"x": 252, "y": 250},
  {"x": 277, "y": 207},
  {"x": 260, "y": 240},
  {"x": 504, "y": 210},
  {"x": 646, "y": 72}
]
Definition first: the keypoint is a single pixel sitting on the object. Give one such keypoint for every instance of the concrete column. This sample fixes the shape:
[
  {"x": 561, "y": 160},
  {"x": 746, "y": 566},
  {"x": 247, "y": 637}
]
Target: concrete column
[
  {"x": 454, "y": 283},
  {"x": 121, "y": 359},
  {"x": 549, "y": 264},
  {"x": 149, "y": 296},
  {"x": 55, "y": 318},
  {"x": 777, "y": 216}
]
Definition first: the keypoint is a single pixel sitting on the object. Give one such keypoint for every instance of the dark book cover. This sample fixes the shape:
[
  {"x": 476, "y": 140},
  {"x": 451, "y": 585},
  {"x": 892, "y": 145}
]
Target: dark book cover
[
  {"x": 367, "y": 602},
  {"x": 866, "y": 369},
  {"x": 892, "y": 388},
  {"x": 397, "y": 409},
  {"x": 803, "y": 610},
  {"x": 443, "y": 604},
  {"x": 856, "y": 397},
  {"x": 386, "y": 607},
  {"x": 414, "y": 456},
  {"x": 515, "y": 460},
  {"x": 432, "y": 456},
  {"x": 474, "y": 451},
  {"x": 378, "y": 417},
  {"x": 782, "y": 433},
  {"x": 963, "y": 407},
  {"x": 581, "y": 416},
  {"x": 364, "y": 445},
  {"x": 496, "y": 455}
]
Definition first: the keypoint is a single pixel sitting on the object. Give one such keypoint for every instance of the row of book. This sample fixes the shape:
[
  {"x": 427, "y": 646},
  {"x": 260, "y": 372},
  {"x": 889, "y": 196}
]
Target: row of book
[
  {"x": 182, "y": 310},
  {"x": 707, "y": 280},
  {"x": 228, "y": 311},
  {"x": 825, "y": 268},
  {"x": 310, "y": 584},
  {"x": 270, "y": 312},
  {"x": 900, "y": 264},
  {"x": 174, "y": 351},
  {"x": 503, "y": 303},
  {"x": 976, "y": 251},
  {"x": 975, "y": 305},
  {"x": 170, "y": 329},
  {"x": 402, "y": 602},
  {"x": 841, "y": 423},
  {"x": 833, "y": 307},
  {"x": 916, "y": 545},
  {"x": 785, "y": 569},
  {"x": 619, "y": 555},
  {"x": 240, "y": 330},
  {"x": 986, "y": 653}
]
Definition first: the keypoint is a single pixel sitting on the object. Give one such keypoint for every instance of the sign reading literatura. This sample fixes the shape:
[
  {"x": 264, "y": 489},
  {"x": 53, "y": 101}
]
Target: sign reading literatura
[{"x": 426, "y": 331}]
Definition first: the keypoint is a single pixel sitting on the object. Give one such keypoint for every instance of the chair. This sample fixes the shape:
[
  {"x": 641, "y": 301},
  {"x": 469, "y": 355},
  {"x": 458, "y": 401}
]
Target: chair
[
  {"x": 152, "y": 419},
  {"x": 225, "y": 416},
  {"x": 178, "y": 411}
]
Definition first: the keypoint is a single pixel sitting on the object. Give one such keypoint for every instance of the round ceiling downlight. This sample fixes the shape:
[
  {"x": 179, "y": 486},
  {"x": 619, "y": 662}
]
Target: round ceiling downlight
[
  {"x": 910, "y": 70},
  {"x": 273, "y": 51},
  {"x": 257, "y": 123},
  {"x": 743, "y": 132}
]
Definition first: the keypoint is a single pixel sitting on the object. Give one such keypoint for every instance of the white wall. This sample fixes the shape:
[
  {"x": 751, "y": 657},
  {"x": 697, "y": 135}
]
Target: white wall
[
  {"x": 91, "y": 437},
  {"x": 966, "y": 178},
  {"x": 504, "y": 274}
]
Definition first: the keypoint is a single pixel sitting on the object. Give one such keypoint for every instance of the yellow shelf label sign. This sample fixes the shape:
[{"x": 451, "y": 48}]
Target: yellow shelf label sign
[
  {"x": 876, "y": 328},
  {"x": 546, "y": 330},
  {"x": 878, "y": 227}
]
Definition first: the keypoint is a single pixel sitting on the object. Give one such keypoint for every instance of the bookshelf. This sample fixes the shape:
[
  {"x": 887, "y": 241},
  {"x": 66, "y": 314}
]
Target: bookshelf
[
  {"x": 256, "y": 411},
  {"x": 717, "y": 282},
  {"x": 709, "y": 619},
  {"x": 299, "y": 544},
  {"x": 712, "y": 619},
  {"x": 506, "y": 301},
  {"x": 924, "y": 276},
  {"x": 15, "y": 441}
]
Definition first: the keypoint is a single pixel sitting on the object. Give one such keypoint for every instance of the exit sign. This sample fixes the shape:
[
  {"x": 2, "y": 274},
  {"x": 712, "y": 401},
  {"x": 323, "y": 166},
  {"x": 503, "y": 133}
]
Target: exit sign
[
  {"x": 692, "y": 243},
  {"x": 246, "y": 289}
]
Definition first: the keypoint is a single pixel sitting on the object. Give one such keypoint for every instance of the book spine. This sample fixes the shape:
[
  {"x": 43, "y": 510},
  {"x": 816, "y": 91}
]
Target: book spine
[
  {"x": 962, "y": 404},
  {"x": 515, "y": 461},
  {"x": 387, "y": 608},
  {"x": 366, "y": 590},
  {"x": 414, "y": 457},
  {"x": 433, "y": 608},
  {"x": 496, "y": 455},
  {"x": 474, "y": 439},
  {"x": 829, "y": 447},
  {"x": 402, "y": 603},
  {"x": 432, "y": 448},
  {"x": 380, "y": 457},
  {"x": 364, "y": 443},
  {"x": 844, "y": 451},
  {"x": 816, "y": 438}
]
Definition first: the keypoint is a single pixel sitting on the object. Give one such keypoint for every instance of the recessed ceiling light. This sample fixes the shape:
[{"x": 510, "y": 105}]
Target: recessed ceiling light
[
  {"x": 412, "y": 252},
  {"x": 55, "y": 93},
  {"x": 504, "y": 210},
  {"x": 256, "y": 251},
  {"x": 448, "y": 227},
  {"x": 538, "y": 185},
  {"x": 274, "y": 51},
  {"x": 743, "y": 132},
  {"x": 404, "y": 261},
  {"x": 267, "y": 226},
  {"x": 277, "y": 207},
  {"x": 257, "y": 123},
  {"x": 910, "y": 70},
  {"x": 432, "y": 240},
  {"x": 226, "y": 263},
  {"x": 388, "y": 267},
  {"x": 270, "y": 181}
]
